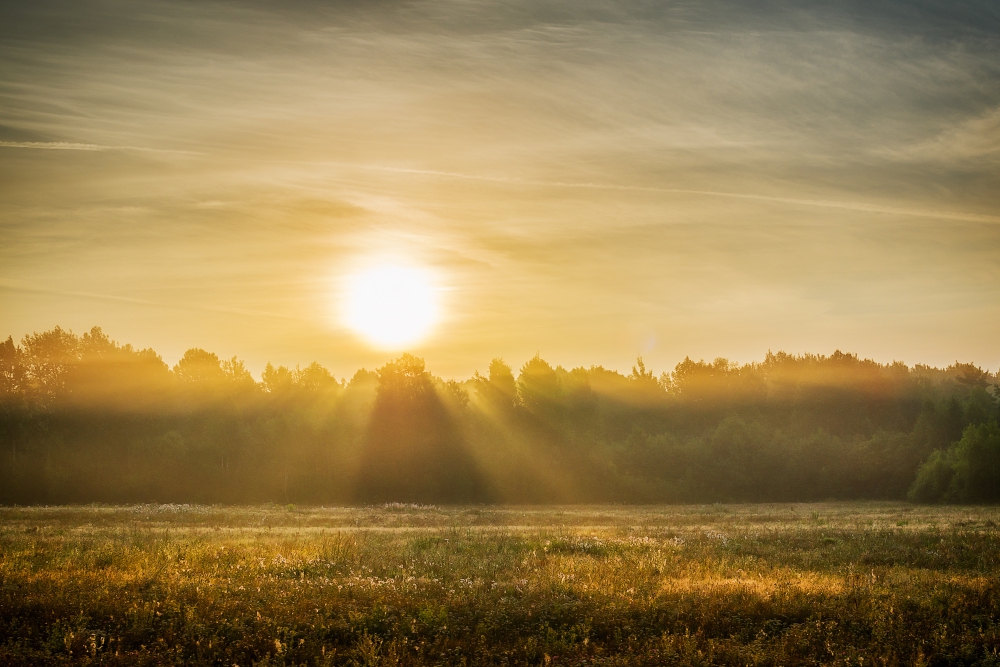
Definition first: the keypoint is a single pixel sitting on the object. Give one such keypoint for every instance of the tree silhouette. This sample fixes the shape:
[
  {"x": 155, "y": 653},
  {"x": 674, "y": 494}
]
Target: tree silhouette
[
  {"x": 413, "y": 449},
  {"x": 85, "y": 418},
  {"x": 199, "y": 366}
]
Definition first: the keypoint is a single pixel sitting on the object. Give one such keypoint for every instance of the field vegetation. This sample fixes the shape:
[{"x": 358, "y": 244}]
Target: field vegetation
[{"x": 816, "y": 584}]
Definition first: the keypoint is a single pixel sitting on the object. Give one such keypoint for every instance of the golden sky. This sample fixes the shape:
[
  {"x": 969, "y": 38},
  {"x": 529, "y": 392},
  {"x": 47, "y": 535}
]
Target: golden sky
[{"x": 587, "y": 180}]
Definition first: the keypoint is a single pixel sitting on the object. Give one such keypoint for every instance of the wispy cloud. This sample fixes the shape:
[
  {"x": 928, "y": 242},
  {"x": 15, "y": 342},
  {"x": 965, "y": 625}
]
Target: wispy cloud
[
  {"x": 73, "y": 146},
  {"x": 974, "y": 138},
  {"x": 860, "y": 206},
  {"x": 19, "y": 286}
]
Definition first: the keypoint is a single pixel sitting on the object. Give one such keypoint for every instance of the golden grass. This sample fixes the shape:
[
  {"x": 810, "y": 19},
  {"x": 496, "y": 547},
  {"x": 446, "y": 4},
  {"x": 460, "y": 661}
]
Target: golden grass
[{"x": 844, "y": 584}]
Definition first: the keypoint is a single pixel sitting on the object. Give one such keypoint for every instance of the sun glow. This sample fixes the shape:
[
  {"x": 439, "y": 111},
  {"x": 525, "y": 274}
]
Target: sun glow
[{"x": 392, "y": 305}]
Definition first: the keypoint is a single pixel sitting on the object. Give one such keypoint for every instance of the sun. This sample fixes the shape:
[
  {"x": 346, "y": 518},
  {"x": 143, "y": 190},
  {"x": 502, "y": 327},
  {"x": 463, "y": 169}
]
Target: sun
[{"x": 392, "y": 306}]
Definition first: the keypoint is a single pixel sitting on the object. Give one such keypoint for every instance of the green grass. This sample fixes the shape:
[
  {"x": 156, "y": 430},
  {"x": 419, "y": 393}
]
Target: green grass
[{"x": 827, "y": 584}]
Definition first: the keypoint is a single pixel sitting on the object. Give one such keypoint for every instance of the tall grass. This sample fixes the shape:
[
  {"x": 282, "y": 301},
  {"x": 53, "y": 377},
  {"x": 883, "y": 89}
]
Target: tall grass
[{"x": 840, "y": 584}]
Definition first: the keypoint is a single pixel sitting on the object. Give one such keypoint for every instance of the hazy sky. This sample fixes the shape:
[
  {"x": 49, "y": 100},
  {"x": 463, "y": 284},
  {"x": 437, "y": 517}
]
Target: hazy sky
[{"x": 589, "y": 180}]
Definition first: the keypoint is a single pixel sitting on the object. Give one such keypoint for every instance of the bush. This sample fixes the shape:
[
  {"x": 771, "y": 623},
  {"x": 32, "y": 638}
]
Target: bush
[
  {"x": 968, "y": 471},
  {"x": 934, "y": 479}
]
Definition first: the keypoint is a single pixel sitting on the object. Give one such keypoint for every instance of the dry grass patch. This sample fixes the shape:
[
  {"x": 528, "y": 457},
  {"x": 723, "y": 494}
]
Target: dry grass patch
[{"x": 735, "y": 585}]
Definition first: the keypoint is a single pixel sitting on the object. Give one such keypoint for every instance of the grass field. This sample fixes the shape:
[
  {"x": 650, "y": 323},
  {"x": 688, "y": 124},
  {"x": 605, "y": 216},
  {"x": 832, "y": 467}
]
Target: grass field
[{"x": 826, "y": 584}]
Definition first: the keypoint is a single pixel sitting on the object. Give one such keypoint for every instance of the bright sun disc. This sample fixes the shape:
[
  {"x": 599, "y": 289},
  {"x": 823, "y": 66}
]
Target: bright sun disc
[{"x": 391, "y": 306}]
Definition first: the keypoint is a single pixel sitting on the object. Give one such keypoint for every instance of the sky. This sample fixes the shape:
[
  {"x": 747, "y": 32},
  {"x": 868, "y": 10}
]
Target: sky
[{"x": 586, "y": 180}]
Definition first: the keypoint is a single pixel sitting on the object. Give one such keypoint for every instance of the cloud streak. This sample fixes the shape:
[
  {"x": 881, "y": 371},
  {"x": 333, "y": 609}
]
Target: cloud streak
[
  {"x": 865, "y": 207},
  {"x": 225, "y": 310},
  {"x": 73, "y": 146}
]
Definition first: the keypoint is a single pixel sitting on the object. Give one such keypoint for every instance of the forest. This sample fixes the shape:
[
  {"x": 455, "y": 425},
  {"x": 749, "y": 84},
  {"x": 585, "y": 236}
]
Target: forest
[{"x": 84, "y": 419}]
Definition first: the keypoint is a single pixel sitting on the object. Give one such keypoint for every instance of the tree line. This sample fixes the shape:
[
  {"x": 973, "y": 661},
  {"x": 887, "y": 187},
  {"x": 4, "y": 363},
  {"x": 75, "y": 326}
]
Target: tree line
[{"x": 86, "y": 419}]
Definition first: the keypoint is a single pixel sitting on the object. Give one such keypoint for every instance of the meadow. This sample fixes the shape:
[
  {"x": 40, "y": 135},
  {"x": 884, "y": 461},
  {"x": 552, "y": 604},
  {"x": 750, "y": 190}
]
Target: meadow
[{"x": 783, "y": 584}]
